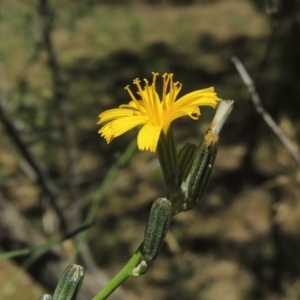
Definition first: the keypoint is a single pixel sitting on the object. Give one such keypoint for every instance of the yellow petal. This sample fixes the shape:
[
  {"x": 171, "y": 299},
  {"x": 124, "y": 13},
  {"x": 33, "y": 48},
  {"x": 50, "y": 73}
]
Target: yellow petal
[
  {"x": 199, "y": 98},
  {"x": 122, "y": 125},
  {"x": 192, "y": 111},
  {"x": 132, "y": 105},
  {"x": 106, "y": 132},
  {"x": 148, "y": 137},
  {"x": 117, "y": 127},
  {"x": 117, "y": 113}
]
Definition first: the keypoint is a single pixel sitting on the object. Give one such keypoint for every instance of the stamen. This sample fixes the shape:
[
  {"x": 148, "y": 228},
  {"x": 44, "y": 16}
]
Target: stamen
[
  {"x": 164, "y": 89},
  {"x": 133, "y": 98},
  {"x": 154, "y": 80},
  {"x": 171, "y": 80},
  {"x": 147, "y": 101},
  {"x": 137, "y": 83},
  {"x": 167, "y": 85},
  {"x": 155, "y": 101}
]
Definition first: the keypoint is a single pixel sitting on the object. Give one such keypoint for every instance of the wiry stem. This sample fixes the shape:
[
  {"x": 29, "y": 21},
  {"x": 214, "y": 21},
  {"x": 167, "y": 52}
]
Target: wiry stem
[{"x": 260, "y": 109}]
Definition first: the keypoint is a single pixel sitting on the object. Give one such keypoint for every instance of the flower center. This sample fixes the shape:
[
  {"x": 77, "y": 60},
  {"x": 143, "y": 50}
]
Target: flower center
[{"x": 150, "y": 105}]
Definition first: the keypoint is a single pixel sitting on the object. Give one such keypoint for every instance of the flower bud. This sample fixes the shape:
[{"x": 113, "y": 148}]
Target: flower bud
[
  {"x": 194, "y": 185},
  {"x": 70, "y": 283},
  {"x": 46, "y": 297},
  {"x": 197, "y": 172},
  {"x": 156, "y": 229}
]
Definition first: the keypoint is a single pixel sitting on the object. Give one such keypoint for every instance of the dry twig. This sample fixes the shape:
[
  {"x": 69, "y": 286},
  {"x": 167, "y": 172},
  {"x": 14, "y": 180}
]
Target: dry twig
[{"x": 260, "y": 109}]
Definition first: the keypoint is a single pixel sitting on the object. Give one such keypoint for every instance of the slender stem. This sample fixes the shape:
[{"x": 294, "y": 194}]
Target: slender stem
[
  {"x": 126, "y": 272},
  {"x": 101, "y": 191},
  {"x": 44, "y": 247},
  {"x": 35, "y": 253}
]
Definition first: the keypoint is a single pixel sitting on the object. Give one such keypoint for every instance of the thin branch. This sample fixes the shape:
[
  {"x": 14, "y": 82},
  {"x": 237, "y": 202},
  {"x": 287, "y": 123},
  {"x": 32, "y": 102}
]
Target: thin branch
[
  {"x": 260, "y": 109},
  {"x": 43, "y": 247},
  {"x": 60, "y": 95},
  {"x": 44, "y": 264},
  {"x": 43, "y": 177}
]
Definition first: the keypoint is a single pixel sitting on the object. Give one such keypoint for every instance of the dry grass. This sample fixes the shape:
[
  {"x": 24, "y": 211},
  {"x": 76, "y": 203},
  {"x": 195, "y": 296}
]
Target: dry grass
[
  {"x": 106, "y": 29},
  {"x": 24, "y": 288},
  {"x": 234, "y": 224}
]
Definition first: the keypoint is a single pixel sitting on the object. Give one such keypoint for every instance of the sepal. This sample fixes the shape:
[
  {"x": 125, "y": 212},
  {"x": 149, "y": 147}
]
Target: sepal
[
  {"x": 167, "y": 156},
  {"x": 185, "y": 159}
]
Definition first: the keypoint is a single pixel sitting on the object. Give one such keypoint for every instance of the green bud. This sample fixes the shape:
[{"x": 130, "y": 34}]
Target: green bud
[
  {"x": 70, "y": 283},
  {"x": 45, "y": 297},
  {"x": 156, "y": 229},
  {"x": 201, "y": 167},
  {"x": 198, "y": 169},
  {"x": 195, "y": 183}
]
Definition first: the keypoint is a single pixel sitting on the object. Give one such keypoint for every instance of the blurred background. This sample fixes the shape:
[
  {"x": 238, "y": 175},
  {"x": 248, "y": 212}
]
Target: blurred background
[{"x": 62, "y": 63}]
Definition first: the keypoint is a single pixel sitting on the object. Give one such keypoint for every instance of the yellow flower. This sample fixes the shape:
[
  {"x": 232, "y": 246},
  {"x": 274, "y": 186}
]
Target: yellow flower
[{"x": 153, "y": 113}]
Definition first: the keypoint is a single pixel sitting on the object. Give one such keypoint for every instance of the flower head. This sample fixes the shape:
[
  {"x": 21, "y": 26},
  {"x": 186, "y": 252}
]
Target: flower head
[{"x": 153, "y": 113}]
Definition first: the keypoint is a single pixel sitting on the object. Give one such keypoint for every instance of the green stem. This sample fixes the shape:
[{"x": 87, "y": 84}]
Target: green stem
[
  {"x": 101, "y": 191},
  {"x": 44, "y": 247},
  {"x": 126, "y": 272}
]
